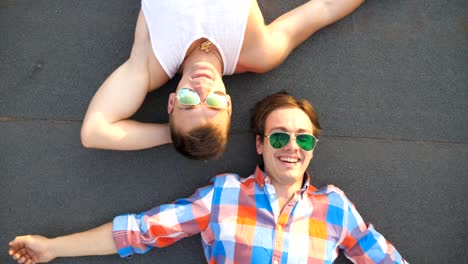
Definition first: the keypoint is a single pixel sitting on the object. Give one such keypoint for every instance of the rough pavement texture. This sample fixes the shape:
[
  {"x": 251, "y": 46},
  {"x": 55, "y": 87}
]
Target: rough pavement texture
[{"x": 389, "y": 83}]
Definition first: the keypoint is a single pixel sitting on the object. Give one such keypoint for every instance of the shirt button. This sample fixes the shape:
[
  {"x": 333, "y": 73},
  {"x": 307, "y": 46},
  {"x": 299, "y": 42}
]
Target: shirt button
[{"x": 279, "y": 228}]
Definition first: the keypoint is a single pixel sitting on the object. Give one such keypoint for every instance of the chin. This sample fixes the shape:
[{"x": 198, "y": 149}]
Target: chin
[{"x": 292, "y": 175}]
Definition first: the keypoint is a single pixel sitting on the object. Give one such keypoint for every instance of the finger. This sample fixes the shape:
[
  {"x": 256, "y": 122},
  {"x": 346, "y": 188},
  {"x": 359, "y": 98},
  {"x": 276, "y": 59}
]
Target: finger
[
  {"x": 15, "y": 247},
  {"x": 17, "y": 242},
  {"x": 16, "y": 256},
  {"x": 22, "y": 259},
  {"x": 12, "y": 251}
]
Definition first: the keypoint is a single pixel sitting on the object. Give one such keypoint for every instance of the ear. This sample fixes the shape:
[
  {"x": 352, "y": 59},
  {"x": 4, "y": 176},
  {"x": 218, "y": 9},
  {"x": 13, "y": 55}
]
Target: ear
[
  {"x": 259, "y": 145},
  {"x": 229, "y": 104},
  {"x": 170, "y": 103}
]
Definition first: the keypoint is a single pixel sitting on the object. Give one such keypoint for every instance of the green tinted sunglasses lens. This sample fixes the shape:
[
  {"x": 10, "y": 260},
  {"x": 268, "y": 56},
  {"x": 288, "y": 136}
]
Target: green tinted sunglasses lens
[
  {"x": 216, "y": 100},
  {"x": 279, "y": 140},
  {"x": 188, "y": 97},
  {"x": 305, "y": 142}
]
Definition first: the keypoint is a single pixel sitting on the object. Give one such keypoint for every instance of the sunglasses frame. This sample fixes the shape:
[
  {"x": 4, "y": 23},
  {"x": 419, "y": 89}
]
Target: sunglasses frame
[
  {"x": 290, "y": 137},
  {"x": 200, "y": 101}
]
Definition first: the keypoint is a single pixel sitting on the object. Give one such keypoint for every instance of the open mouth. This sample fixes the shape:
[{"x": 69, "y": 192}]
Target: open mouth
[{"x": 289, "y": 160}]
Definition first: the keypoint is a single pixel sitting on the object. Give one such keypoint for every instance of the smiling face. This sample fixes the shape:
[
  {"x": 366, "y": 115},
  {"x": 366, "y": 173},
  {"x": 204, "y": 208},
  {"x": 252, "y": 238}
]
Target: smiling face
[
  {"x": 199, "y": 131},
  {"x": 203, "y": 78},
  {"x": 285, "y": 166}
]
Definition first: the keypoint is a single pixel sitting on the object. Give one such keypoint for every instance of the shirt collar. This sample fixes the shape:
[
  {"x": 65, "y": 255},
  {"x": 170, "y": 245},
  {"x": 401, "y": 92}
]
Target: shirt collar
[{"x": 261, "y": 178}]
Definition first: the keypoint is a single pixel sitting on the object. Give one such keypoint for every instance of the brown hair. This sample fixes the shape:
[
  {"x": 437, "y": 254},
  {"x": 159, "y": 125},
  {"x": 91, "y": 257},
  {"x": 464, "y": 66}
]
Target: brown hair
[
  {"x": 281, "y": 99},
  {"x": 200, "y": 143}
]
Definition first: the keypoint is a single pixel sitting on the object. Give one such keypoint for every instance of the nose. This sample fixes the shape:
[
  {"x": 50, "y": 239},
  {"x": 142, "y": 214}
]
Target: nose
[
  {"x": 292, "y": 144},
  {"x": 203, "y": 90}
]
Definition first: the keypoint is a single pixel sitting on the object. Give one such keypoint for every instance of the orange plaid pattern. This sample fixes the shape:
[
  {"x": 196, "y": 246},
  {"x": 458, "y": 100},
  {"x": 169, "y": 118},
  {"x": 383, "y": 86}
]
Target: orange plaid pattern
[{"x": 240, "y": 222}]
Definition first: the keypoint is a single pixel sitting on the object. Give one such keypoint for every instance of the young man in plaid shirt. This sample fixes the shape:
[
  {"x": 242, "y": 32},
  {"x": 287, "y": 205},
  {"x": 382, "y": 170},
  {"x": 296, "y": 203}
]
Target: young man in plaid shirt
[{"x": 273, "y": 216}]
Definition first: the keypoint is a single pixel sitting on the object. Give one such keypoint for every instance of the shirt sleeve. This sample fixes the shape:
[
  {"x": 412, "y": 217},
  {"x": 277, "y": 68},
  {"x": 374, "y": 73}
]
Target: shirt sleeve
[
  {"x": 162, "y": 225},
  {"x": 363, "y": 244}
]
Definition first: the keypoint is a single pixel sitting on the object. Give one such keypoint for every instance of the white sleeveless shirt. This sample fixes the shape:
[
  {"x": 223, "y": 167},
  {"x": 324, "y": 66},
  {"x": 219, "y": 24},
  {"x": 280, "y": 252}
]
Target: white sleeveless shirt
[{"x": 175, "y": 24}]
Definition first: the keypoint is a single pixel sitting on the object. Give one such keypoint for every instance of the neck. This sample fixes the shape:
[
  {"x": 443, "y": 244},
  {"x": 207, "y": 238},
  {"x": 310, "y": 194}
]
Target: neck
[{"x": 203, "y": 51}]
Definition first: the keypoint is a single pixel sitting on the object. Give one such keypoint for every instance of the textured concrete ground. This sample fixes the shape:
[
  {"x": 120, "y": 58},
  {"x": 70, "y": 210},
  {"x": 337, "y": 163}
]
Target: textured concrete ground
[{"x": 389, "y": 82}]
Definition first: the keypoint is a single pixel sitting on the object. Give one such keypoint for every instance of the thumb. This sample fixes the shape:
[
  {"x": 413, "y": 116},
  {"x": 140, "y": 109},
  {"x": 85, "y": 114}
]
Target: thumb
[{"x": 18, "y": 241}]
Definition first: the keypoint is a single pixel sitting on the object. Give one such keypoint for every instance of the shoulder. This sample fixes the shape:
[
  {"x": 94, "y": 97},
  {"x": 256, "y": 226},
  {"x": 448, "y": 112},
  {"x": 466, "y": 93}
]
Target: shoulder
[
  {"x": 141, "y": 43},
  {"x": 227, "y": 180},
  {"x": 331, "y": 189},
  {"x": 335, "y": 195},
  {"x": 252, "y": 55},
  {"x": 142, "y": 56}
]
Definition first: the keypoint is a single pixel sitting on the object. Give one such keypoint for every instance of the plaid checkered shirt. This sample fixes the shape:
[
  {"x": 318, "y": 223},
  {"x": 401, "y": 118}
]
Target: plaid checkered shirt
[{"x": 240, "y": 222}]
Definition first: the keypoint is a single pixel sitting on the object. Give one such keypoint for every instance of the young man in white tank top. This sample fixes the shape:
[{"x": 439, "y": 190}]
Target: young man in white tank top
[{"x": 201, "y": 51}]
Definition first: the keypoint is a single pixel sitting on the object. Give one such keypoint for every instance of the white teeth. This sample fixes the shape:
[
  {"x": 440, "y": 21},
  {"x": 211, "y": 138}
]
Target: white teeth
[{"x": 288, "y": 159}]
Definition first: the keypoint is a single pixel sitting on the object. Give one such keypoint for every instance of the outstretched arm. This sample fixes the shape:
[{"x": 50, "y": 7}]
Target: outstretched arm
[
  {"x": 301, "y": 22},
  {"x": 106, "y": 124},
  {"x": 268, "y": 46},
  {"x": 33, "y": 249},
  {"x": 362, "y": 243}
]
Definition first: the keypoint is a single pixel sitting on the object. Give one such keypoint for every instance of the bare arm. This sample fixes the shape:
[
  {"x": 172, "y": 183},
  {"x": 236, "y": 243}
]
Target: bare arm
[
  {"x": 38, "y": 249},
  {"x": 301, "y": 22},
  {"x": 106, "y": 124},
  {"x": 266, "y": 47}
]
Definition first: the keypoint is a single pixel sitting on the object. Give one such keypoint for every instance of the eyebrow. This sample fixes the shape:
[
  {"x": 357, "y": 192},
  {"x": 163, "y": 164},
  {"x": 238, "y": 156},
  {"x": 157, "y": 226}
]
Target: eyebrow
[{"x": 301, "y": 130}]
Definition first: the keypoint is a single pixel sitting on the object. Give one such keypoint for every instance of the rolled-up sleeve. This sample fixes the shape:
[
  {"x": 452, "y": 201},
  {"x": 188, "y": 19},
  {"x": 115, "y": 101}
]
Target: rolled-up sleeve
[
  {"x": 363, "y": 244},
  {"x": 162, "y": 225}
]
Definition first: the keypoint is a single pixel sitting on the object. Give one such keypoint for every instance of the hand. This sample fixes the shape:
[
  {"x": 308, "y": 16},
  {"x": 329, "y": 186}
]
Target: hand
[{"x": 30, "y": 249}]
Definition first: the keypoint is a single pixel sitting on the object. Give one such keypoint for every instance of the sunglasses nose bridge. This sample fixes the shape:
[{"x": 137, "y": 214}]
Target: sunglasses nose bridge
[
  {"x": 203, "y": 91},
  {"x": 292, "y": 143}
]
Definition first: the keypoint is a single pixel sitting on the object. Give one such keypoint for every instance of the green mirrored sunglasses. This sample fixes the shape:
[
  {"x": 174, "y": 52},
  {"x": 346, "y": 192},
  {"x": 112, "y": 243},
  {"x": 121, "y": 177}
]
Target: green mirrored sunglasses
[
  {"x": 278, "y": 140},
  {"x": 190, "y": 97}
]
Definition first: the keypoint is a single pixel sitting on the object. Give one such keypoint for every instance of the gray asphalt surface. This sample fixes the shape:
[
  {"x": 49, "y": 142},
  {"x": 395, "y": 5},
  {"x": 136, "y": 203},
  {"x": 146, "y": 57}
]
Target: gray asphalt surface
[{"x": 389, "y": 83}]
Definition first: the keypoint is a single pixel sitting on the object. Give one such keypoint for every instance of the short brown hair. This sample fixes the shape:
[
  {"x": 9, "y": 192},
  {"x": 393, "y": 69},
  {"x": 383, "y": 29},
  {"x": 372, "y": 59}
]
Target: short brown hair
[
  {"x": 281, "y": 99},
  {"x": 201, "y": 143}
]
